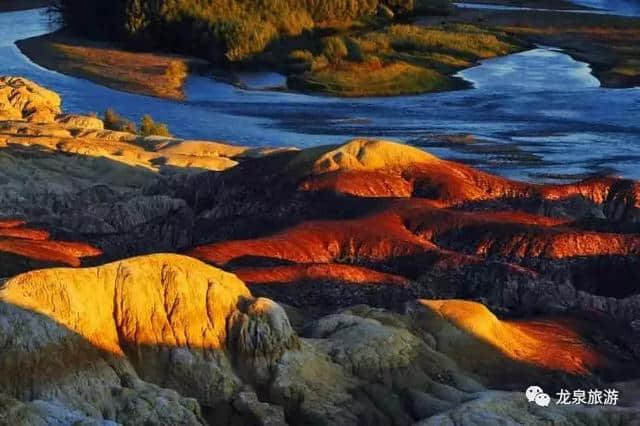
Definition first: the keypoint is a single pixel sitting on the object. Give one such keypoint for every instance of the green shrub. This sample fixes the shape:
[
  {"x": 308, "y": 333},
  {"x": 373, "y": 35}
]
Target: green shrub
[
  {"x": 148, "y": 127},
  {"x": 301, "y": 56},
  {"x": 334, "y": 49},
  {"x": 355, "y": 52},
  {"x": 247, "y": 38},
  {"x": 114, "y": 121}
]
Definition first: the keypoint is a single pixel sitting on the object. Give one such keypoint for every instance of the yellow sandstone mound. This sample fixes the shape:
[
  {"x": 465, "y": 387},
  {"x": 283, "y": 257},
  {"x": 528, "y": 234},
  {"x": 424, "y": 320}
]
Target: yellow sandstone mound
[
  {"x": 22, "y": 99},
  {"x": 164, "y": 300},
  {"x": 474, "y": 336},
  {"x": 358, "y": 154},
  {"x": 31, "y": 120},
  {"x": 133, "y": 341},
  {"x": 194, "y": 148}
]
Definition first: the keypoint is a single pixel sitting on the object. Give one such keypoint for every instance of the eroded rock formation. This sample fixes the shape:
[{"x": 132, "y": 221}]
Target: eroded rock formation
[
  {"x": 22, "y": 99},
  {"x": 166, "y": 339},
  {"x": 446, "y": 229},
  {"x": 356, "y": 259}
]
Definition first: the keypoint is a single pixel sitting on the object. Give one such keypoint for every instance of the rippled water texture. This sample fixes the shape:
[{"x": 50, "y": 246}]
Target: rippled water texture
[
  {"x": 537, "y": 115},
  {"x": 619, "y": 7}
]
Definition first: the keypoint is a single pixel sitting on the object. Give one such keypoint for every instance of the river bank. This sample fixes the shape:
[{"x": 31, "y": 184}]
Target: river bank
[
  {"x": 608, "y": 43},
  {"x": 375, "y": 60},
  {"x": 155, "y": 74},
  {"x": 531, "y": 114},
  {"x": 396, "y": 60}
]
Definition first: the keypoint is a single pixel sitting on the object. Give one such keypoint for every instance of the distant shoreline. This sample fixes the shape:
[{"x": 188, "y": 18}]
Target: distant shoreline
[
  {"x": 15, "y": 5},
  {"x": 605, "y": 42}
]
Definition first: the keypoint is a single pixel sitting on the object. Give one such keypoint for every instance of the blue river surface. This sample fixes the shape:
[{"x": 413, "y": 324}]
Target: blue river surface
[{"x": 538, "y": 115}]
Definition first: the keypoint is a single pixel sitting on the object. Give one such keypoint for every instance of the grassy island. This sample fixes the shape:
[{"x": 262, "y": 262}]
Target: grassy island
[{"x": 337, "y": 47}]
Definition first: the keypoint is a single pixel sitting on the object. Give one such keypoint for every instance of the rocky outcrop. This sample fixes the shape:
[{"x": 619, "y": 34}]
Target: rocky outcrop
[
  {"x": 468, "y": 326},
  {"x": 447, "y": 229},
  {"x": 65, "y": 173},
  {"x": 358, "y": 155},
  {"x": 166, "y": 339},
  {"x": 22, "y": 99},
  {"x": 373, "y": 206},
  {"x": 327, "y": 285},
  {"x": 100, "y": 332},
  {"x": 73, "y": 121}
]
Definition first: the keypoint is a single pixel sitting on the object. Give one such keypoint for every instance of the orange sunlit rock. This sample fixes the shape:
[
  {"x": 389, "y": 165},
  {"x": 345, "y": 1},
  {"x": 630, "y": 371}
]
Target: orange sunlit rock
[
  {"x": 514, "y": 234},
  {"x": 375, "y": 238},
  {"x": 35, "y": 244},
  {"x": 448, "y": 182},
  {"x": 10, "y": 223},
  {"x": 67, "y": 253},
  {"x": 415, "y": 226},
  {"x": 555, "y": 245},
  {"x": 24, "y": 233},
  {"x": 548, "y": 344},
  {"x": 290, "y": 274},
  {"x": 371, "y": 169},
  {"x": 156, "y": 300},
  {"x": 361, "y": 184}
]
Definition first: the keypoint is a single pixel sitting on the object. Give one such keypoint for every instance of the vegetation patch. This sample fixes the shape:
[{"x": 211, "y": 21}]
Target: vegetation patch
[
  {"x": 231, "y": 29},
  {"x": 338, "y": 47},
  {"x": 148, "y": 126},
  {"x": 373, "y": 78},
  {"x": 398, "y": 59}
]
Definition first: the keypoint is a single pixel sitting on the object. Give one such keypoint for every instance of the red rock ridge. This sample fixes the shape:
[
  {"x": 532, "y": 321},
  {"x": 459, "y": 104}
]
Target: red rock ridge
[{"x": 35, "y": 244}]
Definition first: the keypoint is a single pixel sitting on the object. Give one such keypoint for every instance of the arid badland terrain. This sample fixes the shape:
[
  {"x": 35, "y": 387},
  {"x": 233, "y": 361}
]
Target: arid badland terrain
[{"x": 151, "y": 280}]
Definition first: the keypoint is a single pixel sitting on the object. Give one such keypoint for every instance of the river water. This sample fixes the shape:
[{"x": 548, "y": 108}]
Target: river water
[
  {"x": 617, "y": 7},
  {"x": 536, "y": 115},
  {"x": 599, "y": 7}
]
